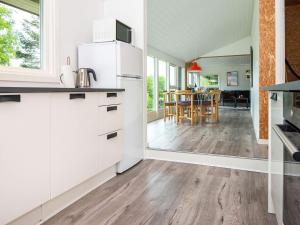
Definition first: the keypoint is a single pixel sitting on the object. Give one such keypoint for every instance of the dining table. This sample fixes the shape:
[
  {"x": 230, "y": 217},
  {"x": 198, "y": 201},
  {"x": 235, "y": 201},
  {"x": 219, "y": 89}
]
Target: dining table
[
  {"x": 195, "y": 104},
  {"x": 191, "y": 96}
]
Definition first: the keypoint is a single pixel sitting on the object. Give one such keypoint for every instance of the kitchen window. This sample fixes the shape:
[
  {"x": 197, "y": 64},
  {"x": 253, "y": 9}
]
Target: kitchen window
[{"x": 27, "y": 40}]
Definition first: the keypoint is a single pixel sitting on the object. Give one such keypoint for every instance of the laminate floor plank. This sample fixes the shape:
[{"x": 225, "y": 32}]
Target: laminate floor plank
[
  {"x": 168, "y": 193},
  {"x": 232, "y": 136}
]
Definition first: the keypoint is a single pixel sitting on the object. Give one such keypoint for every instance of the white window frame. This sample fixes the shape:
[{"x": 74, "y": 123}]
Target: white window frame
[
  {"x": 49, "y": 72},
  {"x": 157, "y": 83},
  {"x": 154, "y": 83},
  {"x": 176, "y": 76}
]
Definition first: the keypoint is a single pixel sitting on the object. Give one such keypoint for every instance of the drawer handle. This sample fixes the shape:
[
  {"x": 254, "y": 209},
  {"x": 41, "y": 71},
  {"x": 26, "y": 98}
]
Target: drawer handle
[
  {"x": 10, "y": 98},
  {"x": 274, "y": 97},
  {"x": 112, "y": 95},
  {"x": 112, "y": 108},
  {"x": 111, "y": 136},
  {"x": 77, "y": 96}
]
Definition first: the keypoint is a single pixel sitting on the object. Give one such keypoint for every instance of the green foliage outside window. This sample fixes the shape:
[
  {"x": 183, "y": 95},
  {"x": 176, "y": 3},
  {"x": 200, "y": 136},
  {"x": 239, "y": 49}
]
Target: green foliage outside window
[
  {"x": 29, "y": 44},
  {"x": 21, "y": 46},
  {"x": 150, "y": 96},
  {"x": 161, "y": 89},
  {"x": 7, "y": 37},
  {"x": 150, "y": 92}
]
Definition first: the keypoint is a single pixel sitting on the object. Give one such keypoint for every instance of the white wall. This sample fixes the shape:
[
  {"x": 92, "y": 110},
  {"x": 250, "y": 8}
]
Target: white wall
[
  {"x": 75, "y": 25},
  {"x": 165, "y": 57},
  {"x": 221, "y": 70},
  {"x": 255, "y": 89},
  {"x": 241, "y": 47}
]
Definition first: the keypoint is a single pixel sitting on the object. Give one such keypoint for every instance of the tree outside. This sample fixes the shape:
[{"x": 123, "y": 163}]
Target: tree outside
[
  {"x": 19, "y": 38},
  {"x": 29, "y": 44},
  {"x": 150, "y": 97},
  {"x": 7, "y": 36},
  {"x": 161, "y": 90},
  {"x": 150, "y": 92}
]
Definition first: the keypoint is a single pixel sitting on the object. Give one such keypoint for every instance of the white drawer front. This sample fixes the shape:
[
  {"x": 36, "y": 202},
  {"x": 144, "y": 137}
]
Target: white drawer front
[
  {"x": 110, "y": 118},
  {"x": 111, "y": 149},
  {"x": 110, "y": 98}
]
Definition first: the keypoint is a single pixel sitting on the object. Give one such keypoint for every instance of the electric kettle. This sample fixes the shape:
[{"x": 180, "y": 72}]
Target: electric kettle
[{"x": 83, "y": 79}]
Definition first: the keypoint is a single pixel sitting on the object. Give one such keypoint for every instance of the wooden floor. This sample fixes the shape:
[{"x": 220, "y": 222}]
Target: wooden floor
[
  {"x": 166, "y": 193},
  {"x": 233, "y": 135}
]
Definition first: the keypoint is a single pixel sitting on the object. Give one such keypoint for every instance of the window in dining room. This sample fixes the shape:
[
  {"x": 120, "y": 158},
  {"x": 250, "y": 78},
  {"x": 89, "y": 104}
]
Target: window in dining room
[
  {"x": 150, "y": 84},
  {"x": 173, "y": 77},
  {"x": 162, "y": 82},
  {"x": 193, "y": 79},
  {"x": 211, "y": 81}
]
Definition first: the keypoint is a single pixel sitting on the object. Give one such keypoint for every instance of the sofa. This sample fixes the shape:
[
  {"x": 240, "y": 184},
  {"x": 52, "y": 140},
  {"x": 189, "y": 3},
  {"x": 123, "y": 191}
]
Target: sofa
[{"x": 236, "y": 98}]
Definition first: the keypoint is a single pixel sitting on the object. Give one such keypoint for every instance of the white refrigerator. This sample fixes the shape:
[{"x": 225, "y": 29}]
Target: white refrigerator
[{"x": 120, "y": 65}]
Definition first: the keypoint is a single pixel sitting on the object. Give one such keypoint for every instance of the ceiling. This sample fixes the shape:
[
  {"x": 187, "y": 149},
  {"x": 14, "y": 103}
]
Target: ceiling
[
  {"x": 224, "y": 61},
  {"x": 187, "y": 29}
]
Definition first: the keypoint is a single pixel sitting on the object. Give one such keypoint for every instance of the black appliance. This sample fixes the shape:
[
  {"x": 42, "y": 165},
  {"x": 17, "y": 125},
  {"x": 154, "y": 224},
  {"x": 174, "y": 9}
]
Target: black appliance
[{"x": 123, "y": 32}]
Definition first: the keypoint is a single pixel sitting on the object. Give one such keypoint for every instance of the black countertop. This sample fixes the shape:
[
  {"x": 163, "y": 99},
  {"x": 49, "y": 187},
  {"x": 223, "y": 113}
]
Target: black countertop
[
  {"x": 53, "y": 89},
  {"x": 291, "y": 86}
]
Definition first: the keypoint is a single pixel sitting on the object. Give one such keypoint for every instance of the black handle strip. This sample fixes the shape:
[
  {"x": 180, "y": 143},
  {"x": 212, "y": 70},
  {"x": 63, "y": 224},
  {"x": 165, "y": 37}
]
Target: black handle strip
[
  {"x": 111, "y": 136},
  {"x": 10, "y": 98},
  {"x": 112, "y": 95},
  {"x": 77, "y": 96},
  {"x": 274, "y": 96},
  {"x": 112, "y": 108}
]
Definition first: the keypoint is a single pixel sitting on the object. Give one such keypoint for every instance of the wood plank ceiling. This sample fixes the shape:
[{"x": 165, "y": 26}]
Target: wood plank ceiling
[{"x": 187, "y": 29}]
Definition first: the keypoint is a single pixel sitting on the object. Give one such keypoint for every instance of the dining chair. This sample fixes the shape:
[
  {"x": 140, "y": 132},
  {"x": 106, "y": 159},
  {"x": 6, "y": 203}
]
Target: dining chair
[
  {"x": 210, "y": 106},
  {"x": 169, "y": 105},
  {"x": 185, "y": 108}
]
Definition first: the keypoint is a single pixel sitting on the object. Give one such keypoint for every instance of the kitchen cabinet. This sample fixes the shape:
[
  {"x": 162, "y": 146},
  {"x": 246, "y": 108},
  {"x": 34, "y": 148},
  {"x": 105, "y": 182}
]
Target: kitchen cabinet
[
  {"x": 110, "y": 98},
  {"x": 52, "y": 142},
  {"x": 24, "y": 153},
  {"x": 74, "y": 139},
  {"x": 111, "y": 118},
  {"x": 111, "y": 149}
]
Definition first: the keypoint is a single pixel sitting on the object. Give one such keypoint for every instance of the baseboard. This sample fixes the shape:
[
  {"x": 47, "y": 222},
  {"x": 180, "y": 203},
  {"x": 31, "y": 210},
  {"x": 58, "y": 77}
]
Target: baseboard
[
  {"x": 44, "y": 212},
  {"x": 253, "y": 165},
  {"x": 263, "y": 141}
]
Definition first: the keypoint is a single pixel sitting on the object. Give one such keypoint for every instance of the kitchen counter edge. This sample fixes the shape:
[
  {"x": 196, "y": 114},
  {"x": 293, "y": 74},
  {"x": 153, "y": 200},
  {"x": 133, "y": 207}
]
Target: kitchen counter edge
[
  {"x": 291, "y": 86},
  {"x": 53, "y": 90}
]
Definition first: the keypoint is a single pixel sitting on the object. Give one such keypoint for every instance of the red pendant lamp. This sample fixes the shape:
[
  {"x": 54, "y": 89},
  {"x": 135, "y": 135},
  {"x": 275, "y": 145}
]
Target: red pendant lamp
[{"x": 194, "y": 68}]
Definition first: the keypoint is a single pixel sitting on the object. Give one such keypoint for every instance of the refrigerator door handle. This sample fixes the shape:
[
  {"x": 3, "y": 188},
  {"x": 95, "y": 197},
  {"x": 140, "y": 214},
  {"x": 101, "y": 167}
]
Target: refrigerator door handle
[{"x": 130, "y": 76}]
